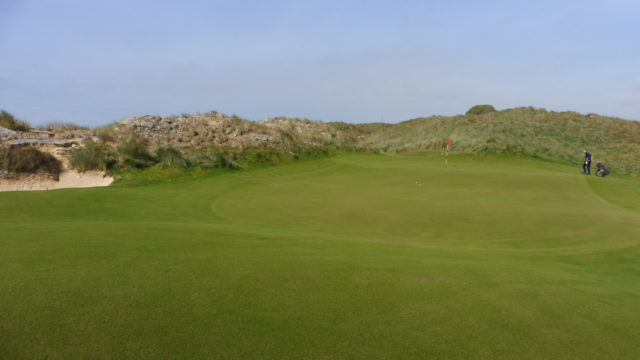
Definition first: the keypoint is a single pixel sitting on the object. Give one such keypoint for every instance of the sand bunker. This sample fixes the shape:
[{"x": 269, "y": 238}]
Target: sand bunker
[{"x": 68, "y": 179}]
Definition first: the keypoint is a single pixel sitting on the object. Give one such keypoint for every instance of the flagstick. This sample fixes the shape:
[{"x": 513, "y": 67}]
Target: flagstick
[{"x": 446, "y": 156}]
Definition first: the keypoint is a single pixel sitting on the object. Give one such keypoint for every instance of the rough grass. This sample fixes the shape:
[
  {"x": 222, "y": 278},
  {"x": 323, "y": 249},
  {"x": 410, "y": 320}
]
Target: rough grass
[
  {"x": 483, "y": 130},
  {"x": 27, "y": 159},
  {"x": 106, "y": 134},
  {"x": 93, "y": 156},
  {"x": 134, "y": 152},
  {"x": 10, "y": 122},
  {"x": 359, "y": 256},
  {"x": 522, "y": 131},
  {"x": 63, "y": 126}
]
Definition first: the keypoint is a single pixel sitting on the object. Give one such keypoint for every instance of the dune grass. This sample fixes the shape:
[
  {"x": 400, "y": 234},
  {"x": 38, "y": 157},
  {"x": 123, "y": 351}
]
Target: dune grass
[
  {"x": 355, "y": 256},
  {"x": 28, "y": 159},
  {"x": 7, "y": 120},
  {"x": 521, "y": 131}
]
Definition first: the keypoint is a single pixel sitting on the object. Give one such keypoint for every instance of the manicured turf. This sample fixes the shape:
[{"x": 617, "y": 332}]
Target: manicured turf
[{"x": 357, "y": 256}]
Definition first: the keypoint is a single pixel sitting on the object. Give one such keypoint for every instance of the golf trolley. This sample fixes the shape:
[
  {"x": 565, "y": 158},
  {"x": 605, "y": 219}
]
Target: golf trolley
[{"x": 602, "y": 170}]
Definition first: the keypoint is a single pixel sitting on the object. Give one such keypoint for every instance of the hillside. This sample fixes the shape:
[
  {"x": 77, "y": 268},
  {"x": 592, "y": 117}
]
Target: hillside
[
  {"x": 219, "y": 130},
  {"x": 522, "y": 131}
]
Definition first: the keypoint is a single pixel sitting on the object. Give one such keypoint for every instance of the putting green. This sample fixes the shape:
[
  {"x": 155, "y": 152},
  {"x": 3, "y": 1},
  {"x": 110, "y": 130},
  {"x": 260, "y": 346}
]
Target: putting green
[{"x": 356, "y": 256}]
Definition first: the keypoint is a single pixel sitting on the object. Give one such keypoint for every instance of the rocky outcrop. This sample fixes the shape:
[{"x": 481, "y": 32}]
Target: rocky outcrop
[
  {"x": 4, "y": 133},
  {"x": 215, "y": 129}
]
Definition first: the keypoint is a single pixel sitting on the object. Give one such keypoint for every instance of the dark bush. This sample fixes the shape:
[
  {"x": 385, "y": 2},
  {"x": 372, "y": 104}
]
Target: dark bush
[
  {"x": 481, "y": 109},
  {"x": 8, "y": 121},
  {"x": 28, "y": 159}
]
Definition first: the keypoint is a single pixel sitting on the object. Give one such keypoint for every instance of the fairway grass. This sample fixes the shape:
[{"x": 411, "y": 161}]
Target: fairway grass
[{"x": 352, "y": 257}]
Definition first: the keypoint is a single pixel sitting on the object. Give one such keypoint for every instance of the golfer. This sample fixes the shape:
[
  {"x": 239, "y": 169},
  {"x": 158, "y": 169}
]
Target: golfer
[{"x": 586, "y": 167}]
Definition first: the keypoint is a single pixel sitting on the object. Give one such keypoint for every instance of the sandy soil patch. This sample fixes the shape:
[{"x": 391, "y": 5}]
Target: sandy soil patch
[{"x": 68, "y": 179}]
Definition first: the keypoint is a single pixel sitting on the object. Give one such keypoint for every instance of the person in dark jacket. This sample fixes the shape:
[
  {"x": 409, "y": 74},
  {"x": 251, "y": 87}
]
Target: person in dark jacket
[
  {"x": 602, "y": 170},
  {"x": 586, "y": 167}
]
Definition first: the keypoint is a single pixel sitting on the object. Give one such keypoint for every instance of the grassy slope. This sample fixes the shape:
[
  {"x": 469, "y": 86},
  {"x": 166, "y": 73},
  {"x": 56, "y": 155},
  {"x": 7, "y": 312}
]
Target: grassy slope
[
  {"x": 527, "y": 131},
  {"x": 336, "y": 258}
]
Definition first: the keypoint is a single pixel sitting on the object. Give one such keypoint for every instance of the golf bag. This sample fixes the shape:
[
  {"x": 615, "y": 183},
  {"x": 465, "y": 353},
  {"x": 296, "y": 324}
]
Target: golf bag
[{"x": 602, "y": 170}]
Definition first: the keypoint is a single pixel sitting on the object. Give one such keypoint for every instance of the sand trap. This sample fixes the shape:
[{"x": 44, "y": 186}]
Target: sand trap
[{"x": 68, "y": 179}]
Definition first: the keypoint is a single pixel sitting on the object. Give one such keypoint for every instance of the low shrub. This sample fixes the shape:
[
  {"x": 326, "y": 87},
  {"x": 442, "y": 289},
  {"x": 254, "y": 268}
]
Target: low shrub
[{"x": 28, "y": 159}]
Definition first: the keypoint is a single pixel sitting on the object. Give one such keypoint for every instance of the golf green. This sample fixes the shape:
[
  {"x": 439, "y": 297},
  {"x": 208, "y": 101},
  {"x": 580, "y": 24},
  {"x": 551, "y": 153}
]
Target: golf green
[{"x": 357, "y": 256}]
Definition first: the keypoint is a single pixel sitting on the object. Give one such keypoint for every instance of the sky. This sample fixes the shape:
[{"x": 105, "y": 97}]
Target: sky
[{"x": 95, "y": 62}]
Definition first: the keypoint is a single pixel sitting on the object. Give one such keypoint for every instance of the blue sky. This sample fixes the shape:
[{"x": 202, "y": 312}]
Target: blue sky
[{"x": 94, "y": 62}]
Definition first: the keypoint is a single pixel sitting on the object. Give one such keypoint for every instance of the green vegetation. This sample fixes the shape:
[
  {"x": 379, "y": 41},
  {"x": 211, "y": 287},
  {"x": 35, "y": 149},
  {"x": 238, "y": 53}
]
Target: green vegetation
[
  {"x": 107, "y": 133},
  {"x": 28, "y": 159},
  {"x": 536, "y": 133},
  {"x": 169, "y": 157},
  {"x": 134, "y": 153},
  {"x": 93, "y": 156},
  {"x": 212, "y": 160},
  {"x": 481, "y": 109},
  {"x": 354, "y": 256},
  {"x": 523, "y": 131},
  {"x": 8, "y": 121}
]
